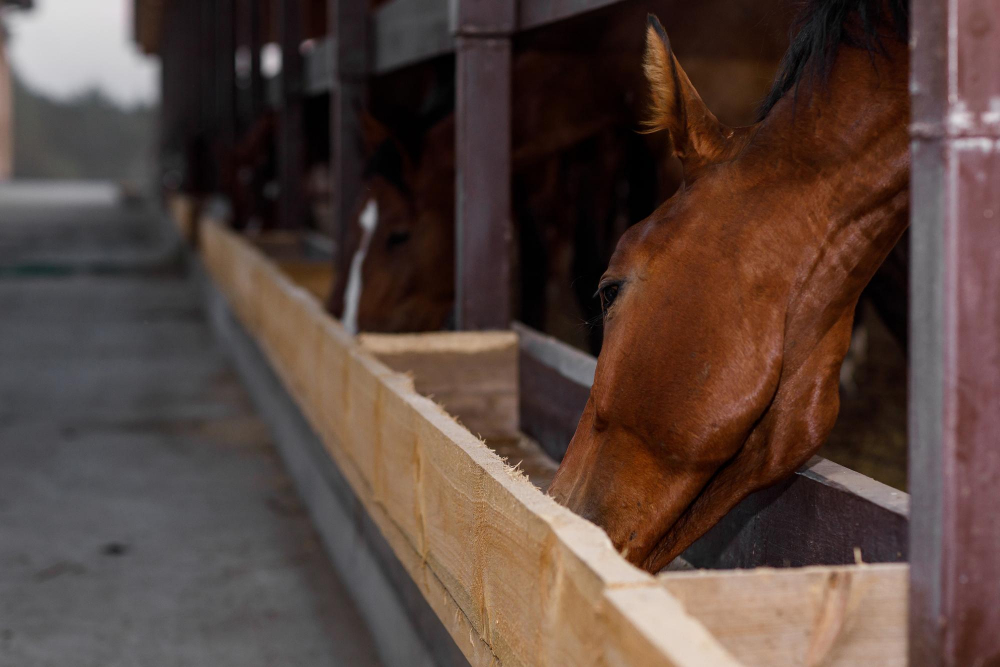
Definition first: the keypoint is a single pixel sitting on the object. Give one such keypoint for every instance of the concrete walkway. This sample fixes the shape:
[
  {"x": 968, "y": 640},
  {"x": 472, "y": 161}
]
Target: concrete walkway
[{"x": 144, "y": 516}]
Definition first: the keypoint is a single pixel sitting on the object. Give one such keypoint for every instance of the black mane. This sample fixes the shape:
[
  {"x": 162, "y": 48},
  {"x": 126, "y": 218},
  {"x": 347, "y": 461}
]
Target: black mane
[{"x": 820, "y": 29}]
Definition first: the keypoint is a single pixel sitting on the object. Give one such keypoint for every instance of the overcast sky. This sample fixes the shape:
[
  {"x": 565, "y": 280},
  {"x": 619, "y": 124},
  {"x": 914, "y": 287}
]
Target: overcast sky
[{"x": 64, "y": 46}]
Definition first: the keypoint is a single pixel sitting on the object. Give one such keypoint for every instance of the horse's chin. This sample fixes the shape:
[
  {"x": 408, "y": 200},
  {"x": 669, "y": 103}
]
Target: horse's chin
[{"x": 638, "y": 521}]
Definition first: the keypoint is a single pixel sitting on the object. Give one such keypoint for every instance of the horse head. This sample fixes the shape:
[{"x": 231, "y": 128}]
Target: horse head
[
  {"x": 728, "y": 312},
  {"x": 401, "y": 273}
]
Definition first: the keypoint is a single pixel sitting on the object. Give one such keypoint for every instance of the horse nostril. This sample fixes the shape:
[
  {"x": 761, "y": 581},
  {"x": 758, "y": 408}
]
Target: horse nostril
[{"x": 600, "y": 423}]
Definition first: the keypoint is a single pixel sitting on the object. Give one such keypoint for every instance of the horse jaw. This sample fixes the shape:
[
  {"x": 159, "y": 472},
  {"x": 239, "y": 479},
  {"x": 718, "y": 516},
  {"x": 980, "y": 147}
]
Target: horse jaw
[{"x": 352, "y": 293}]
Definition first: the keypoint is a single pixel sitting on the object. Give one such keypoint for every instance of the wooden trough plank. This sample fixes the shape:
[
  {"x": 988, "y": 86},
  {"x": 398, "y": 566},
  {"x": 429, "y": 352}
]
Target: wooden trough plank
[
  {"x": 514, "y": 577},
  {"x": 252, "y": 286},
  {"x": 472, "y": 375},
  {"x": 407, "y": 631},
  {"x": 807, "y": 519},
  {"x": 819, "y": 515},
  {"x": 805, "y": 616}
]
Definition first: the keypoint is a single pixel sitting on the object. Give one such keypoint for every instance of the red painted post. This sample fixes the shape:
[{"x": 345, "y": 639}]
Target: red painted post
[
  {"x": 955, "y": 354},
  {"x": 348, "y": 21},
  {"x": 291, "y": 151},
  {"x": 483, "y": 162}
]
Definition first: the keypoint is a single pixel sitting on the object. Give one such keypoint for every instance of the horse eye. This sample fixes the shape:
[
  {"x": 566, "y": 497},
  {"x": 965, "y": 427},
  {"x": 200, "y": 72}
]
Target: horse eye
[
  {"x": 608, "y": 295},
  {"x": 397, "y": 238}
]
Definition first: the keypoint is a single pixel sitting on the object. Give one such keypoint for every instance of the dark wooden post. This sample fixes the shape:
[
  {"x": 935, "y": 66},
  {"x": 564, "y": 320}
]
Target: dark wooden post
[
  {"x": 256, "y": 25},
  {"x": 201, "y": 161},
  {"x": 955, "y": 354},
  {"x": 291, "y": 153},
  {"x": 250, "y": 98},
  {"x": 226, "y": 92},
  {"x": 483, "y": 146},
  {"x": 348, "y": 21},
  {"x": 172, "y": 77}
]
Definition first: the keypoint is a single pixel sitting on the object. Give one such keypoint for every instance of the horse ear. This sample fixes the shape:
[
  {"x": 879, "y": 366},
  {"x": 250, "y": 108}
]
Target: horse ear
[
  {"x": 438, "y": 147},
  {"x": 697, "y": 136},
  {"x": 373, "y": 132}
]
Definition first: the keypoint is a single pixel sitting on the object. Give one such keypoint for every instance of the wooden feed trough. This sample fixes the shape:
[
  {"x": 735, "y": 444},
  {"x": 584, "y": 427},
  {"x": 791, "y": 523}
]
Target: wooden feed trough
[{"x": 512, "y": 576}]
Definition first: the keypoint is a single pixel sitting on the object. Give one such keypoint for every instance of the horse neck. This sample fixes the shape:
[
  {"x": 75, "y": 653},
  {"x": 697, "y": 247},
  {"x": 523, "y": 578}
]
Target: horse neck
[{"x": 845, "y": 168}]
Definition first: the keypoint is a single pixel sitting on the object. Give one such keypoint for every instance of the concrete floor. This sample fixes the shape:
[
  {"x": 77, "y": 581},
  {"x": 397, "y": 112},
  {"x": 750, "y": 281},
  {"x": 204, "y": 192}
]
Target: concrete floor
[{"x": 144, "y": 516}]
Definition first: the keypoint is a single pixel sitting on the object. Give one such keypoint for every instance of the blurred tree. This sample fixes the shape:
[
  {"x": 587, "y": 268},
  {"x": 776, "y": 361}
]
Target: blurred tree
[{"x": 85, "y": 137}]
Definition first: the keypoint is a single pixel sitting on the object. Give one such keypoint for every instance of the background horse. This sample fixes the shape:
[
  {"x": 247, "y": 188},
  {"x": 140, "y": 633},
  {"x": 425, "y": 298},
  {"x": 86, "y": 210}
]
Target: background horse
[
  {"x": 571, "y": 148},
  {"x": 581, "y": 177},
  {"x": 728, "y": 312}
]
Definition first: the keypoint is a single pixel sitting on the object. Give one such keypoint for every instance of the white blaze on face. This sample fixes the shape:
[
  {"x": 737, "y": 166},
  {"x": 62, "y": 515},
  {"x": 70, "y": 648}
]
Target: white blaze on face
[{"x": 352, "y": 293}]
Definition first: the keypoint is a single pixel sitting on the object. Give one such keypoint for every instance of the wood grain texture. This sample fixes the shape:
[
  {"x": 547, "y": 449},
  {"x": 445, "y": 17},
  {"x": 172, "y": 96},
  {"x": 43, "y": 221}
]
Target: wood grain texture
[
  {"x": 472, "y": 375},
  {"x": 841, "y": 615},
  {"x": 516, "y": 578}
]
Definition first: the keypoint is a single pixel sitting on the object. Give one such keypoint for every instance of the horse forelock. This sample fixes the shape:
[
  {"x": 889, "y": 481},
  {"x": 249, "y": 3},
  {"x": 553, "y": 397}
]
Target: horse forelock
[{"x": 820, "y": 28}]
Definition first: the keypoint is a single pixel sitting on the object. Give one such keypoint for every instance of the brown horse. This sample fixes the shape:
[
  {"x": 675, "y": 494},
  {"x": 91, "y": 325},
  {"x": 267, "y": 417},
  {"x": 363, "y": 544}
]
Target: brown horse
[
  {"x": 728, "y": 311},
  {"x": 401, "y": 277}
]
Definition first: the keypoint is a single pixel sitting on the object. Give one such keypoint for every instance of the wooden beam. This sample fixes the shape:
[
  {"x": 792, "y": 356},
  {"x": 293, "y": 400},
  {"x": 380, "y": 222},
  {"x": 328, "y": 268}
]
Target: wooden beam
[
  {"x": 472, "y": 375},
  {"x": 823, "y": 514},
  {"x": 832, "y": 616},
  {"x": 819, "y": 515},
  {"x": 406, "y": 32},
  {"x": 955, "y": 348},
  {"x": 536, "y": 13},
  {"x": 409, "y": 31},
  {"x": 483, "y": 163},
  {"x": 349, "y": 28}
]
